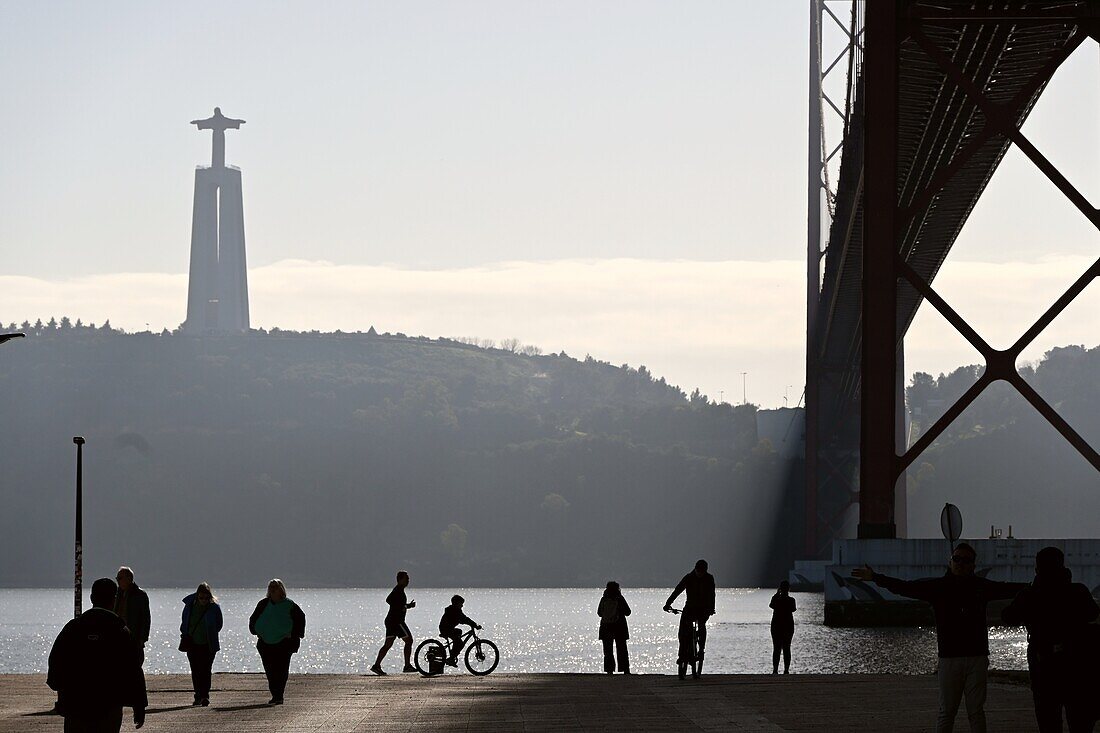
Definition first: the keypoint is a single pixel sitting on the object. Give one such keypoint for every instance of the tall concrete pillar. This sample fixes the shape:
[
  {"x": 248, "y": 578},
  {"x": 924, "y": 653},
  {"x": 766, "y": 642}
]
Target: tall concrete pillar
[{"x": 217, "y": 292}]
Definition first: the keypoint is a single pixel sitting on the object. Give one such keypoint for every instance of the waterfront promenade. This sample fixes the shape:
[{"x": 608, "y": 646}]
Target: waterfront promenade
[{"x": 537, "y": 702}]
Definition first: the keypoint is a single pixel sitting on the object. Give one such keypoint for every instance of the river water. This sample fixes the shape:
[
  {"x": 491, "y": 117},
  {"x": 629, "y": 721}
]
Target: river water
[{"x": 537, "y": 630}]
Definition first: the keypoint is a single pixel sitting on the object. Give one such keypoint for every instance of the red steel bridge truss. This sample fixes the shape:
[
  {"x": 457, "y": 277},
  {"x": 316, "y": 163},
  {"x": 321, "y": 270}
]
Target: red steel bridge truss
[{"x": 936, "y": 93}]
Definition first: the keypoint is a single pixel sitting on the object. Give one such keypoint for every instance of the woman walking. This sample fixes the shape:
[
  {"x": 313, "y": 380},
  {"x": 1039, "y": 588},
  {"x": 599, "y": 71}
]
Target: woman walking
[
  {"x": 613, "y": 610},
  {"x": 280, "y": 626},
  {"x": 782, "y": 606},
  {"x": 202, "y": 620}
]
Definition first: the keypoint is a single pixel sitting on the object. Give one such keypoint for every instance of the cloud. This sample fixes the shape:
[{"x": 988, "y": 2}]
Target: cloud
[{"x": 695, "y": 323}]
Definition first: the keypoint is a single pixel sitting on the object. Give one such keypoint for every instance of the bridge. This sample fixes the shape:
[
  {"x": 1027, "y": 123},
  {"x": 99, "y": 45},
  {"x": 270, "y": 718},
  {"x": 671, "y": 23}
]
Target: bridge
[{"x": 935, "y": 95}]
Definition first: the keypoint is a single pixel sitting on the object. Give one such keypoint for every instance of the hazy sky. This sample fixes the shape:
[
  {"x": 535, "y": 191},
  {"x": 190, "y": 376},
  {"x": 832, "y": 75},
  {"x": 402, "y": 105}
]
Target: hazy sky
[{"x": 625, "y": 179}]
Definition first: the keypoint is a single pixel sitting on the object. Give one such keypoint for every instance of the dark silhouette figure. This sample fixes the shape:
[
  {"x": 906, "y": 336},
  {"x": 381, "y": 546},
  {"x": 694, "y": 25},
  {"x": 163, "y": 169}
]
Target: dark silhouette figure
[
  {"x": 699, "y": 606},
  {"x": 396, "y": 628},
  {"x": 448, "y": 627},
  {"x": 280, "y": 626},
  {"x": 202, "y": 620},
  {"x": 131, "y": 604},
  {"x": 959, "y": 600},
  {"x": 1057, "y": 612},
  {"x": 95, "y": 668},
  {"x": 783, "y": 608},
  {"x": 613, "y": 610}
]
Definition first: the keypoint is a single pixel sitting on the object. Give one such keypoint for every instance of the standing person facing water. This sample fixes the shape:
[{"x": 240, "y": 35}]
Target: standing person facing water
[
  {"x": 396, "y": 628},
  {"x": 199, "y": 627},
  {"x": 613, "y": 610},
  {"x": 783, "y": 608},
  {"x": 1057, "y": 613},
  {"x": 959, "y": 600},
  {"x": 280, "y": 626}
]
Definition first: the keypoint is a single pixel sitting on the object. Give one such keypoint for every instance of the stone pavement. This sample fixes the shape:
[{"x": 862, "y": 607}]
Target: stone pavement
[{"x": 537, "y": 702}]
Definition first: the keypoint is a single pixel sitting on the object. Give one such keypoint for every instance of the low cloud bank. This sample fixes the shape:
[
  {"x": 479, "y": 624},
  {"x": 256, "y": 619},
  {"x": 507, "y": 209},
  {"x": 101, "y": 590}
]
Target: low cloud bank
[{"x": 695, "y": 323}]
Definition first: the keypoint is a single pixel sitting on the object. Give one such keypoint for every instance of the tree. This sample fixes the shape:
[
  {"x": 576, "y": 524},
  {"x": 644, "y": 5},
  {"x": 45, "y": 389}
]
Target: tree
[
  {"x": 52, "y": 324},
  {"x": 66, "y": 324},
  {"x": 454, "y": 540},
  {"x": 510, "y": 344}
]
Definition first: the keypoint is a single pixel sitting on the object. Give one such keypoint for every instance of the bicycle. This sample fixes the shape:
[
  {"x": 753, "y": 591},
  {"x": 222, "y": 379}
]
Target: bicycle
[
  {"x": 482, "y": 655},
  {"x": 698, "y": 647}
]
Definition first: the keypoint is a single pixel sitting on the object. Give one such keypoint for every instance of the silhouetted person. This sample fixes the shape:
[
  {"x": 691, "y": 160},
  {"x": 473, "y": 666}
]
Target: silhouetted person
[
  {"x": 95, "y": 668},
  {"x": 396, "y": 628},
  {"x": 613, "y": 610},
  {"x": 202, "y": 620},
  {"x": 699, "y": 606},
  {"x": 783, "y": 608},
  {"x": 280, "y": 626},
  {"x": 131, "y": 604},
  {"x": 1056, "y": 612},
  {"x": 959, "y": 600},
  {"x": 448, "y": 626}
]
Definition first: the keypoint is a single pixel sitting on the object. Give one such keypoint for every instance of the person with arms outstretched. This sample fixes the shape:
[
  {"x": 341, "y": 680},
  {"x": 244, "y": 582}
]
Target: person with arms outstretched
[
  {"x": 698, "y": 585},
  {"x": 395, "y": 624},
  {"x": 448, "y": 626},
  {"x": 959, "y": 599}
]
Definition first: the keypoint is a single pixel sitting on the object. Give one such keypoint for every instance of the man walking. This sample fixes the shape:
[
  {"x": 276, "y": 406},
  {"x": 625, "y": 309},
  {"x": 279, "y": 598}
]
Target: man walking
[
  {"x": 1057, "y": 613},
  {"x": 959, "y": 600},
  {"x": 132, "y": 606},
  {"x": 395, "y": 624},
  {"x": 95, "y": 669}
]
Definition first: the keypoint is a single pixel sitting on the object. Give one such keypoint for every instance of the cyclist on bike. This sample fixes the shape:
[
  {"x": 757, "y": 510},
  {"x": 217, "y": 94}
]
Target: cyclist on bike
[
  {"x": 699, "y": 606},
  {"x": 448, "y": 627}
]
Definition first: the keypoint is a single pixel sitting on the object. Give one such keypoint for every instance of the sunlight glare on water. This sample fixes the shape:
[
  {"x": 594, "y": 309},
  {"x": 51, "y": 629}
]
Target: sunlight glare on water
[{"x": 537, "y": 630}]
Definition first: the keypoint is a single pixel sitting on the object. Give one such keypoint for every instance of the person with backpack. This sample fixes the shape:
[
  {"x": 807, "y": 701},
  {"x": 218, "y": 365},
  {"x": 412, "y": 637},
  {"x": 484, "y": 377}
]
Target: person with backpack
[
  {"x": 95, "y": 667},
  {"x": 613, "y": 610},
  {"x": 1058, "y": 613}
]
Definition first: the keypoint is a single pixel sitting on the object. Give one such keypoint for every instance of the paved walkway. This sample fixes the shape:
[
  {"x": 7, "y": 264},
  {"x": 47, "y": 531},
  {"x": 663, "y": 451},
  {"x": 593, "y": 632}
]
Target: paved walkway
[{"x": 499, "y": 703}]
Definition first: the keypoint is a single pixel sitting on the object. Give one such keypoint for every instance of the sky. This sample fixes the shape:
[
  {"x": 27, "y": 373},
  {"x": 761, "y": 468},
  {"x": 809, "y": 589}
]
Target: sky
[{"x": 620, "y": 179}]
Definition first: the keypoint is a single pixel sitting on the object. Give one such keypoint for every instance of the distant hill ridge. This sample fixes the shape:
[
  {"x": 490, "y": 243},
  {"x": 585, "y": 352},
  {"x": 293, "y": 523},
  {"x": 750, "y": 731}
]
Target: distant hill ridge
[{"x": 363, "y": 453}]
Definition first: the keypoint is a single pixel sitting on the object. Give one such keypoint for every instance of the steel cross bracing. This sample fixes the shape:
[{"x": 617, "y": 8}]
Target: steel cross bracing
[
  {"x": 828, "y": 491},
  {"x": 948, "y": 86}
]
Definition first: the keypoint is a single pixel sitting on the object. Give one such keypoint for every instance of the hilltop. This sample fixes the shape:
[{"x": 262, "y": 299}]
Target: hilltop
[{"x": 334, "y": 459}]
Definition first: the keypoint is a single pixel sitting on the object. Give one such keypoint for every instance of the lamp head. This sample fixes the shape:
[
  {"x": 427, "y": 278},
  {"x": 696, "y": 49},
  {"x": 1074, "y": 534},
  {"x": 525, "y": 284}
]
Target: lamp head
[{"x": 79, "y": 440}]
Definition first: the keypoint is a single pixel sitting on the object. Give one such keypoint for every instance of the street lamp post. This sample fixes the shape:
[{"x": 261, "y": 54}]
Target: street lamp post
[
  {"x": 79, "y": 571},
  {"x": 744, "y": 391}
]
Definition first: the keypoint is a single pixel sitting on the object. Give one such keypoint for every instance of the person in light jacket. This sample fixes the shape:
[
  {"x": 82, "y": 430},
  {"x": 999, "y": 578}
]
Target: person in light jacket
[
  {"x": 613, "y": 610},
  {"x": 280, "y": 626},
  {"x": 202, "y": 620}
]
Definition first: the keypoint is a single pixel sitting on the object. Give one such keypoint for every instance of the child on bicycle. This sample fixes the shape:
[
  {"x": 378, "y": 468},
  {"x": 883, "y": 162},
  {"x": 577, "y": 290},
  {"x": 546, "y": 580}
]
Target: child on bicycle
[{"x": 448, "y": 627}]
